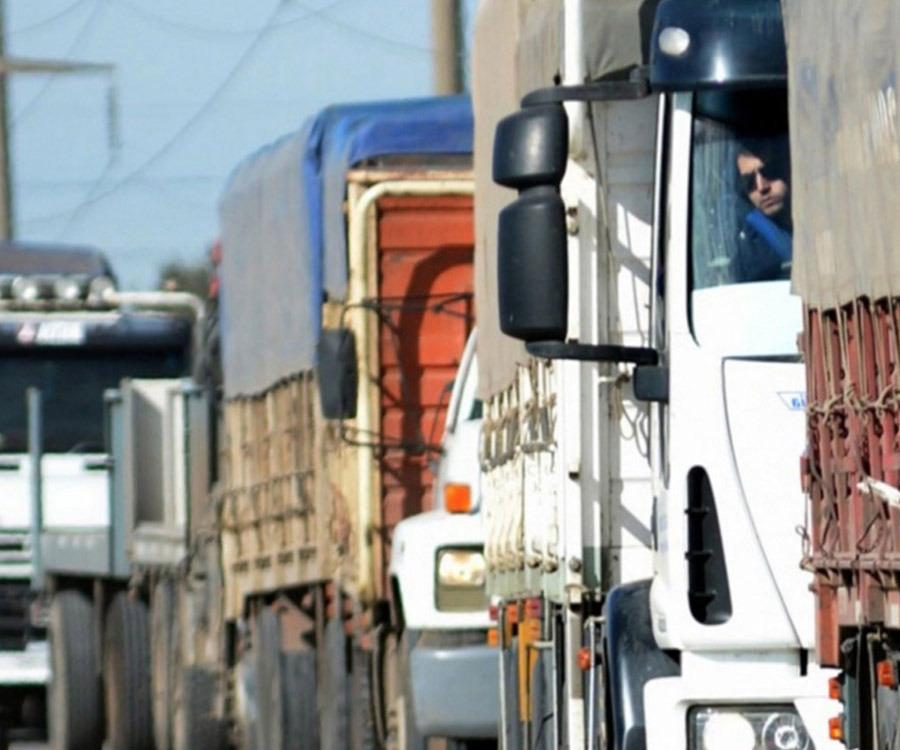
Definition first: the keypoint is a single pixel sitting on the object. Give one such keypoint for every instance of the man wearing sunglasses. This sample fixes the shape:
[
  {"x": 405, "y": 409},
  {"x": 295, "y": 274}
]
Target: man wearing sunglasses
[{"x": 765, "y": 233}]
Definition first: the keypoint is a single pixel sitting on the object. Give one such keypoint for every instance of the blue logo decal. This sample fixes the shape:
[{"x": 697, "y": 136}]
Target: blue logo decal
[{"x": 793, "y": 400}]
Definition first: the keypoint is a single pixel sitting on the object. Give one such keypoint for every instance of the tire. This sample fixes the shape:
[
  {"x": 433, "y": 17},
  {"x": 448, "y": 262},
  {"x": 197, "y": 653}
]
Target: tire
[
  {"x": 129, "y": 711},
  {"x": 286, "y": 691},
  {"x": 269, "y": 694},
  {"x": 195, "y": 722},
  {"x": 162, "y": 663},
  {"x": 401, "y": 726},
  {"x": 513, "y": 727},
  {"x": 335, "y": 686},
  {"x": 362, "y": 721},
  {"x": 75, "y": 694},
  {"x": 299, "y": 697}
]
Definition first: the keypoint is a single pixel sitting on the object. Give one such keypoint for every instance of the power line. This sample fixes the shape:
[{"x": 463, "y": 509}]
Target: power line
[
  {"x": 95, "y": 193},
  {"x": 161, "y": 21},
  {"x": 377, "y": 38},
  {"x": 50, "y": 20},
  {"x": 76, "y": 42},
  {"x": 165, "y": 22}
]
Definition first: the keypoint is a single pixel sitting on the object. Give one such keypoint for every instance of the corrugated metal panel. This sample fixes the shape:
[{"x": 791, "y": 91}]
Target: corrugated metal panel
[{"x": 425, "y": 316}]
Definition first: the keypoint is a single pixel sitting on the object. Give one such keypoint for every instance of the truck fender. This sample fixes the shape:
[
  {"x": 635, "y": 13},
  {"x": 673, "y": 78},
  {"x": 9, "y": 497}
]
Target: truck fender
[{"x": 632, "y": 659}]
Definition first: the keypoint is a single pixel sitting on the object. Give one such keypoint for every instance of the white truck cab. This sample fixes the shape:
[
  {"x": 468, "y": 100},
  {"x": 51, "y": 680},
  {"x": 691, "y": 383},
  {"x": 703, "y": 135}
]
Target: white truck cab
[
  {"x": 644, "y": 264},
  {"x": 438, "y": 575}
]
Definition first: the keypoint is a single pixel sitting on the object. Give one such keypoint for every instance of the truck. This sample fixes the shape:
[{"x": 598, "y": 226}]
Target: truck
[
  {"x": 643, "y": 390},
  {"x": 261, "y": 589},
  {"x": 438, "y": 564},
  {"x": 844, "y": 145},
  {"x": 66, "y": 335}
]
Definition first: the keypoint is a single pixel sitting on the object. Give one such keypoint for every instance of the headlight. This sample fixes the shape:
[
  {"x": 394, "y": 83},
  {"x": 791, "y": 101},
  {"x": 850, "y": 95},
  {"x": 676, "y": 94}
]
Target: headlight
[
  {"x": 99, "y": 287},
  {"x": 460, "y": 580},
  {"x": 26, "y": 289},
  {"x": 747, "y": 728},
  {"x": 460, "y": 568},
  {"x": 68, "y": 288}
]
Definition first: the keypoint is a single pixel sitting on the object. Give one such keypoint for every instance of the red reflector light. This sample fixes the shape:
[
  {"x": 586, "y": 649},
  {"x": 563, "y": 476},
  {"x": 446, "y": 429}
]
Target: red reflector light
[
  {"x": 533, "y": 608},
  {"x": 494, "y": 612},
  {"x": 585, "y": 662},
  {"x": 836, "y": 728},
  {"x": 834, "y": 689},
  {"x": 886, "y": 673}
]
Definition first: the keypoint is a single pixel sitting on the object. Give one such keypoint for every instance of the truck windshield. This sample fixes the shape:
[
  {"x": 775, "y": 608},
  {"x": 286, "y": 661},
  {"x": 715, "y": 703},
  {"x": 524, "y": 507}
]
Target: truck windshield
[
  {"x": 741, "y": 208},
  {"x": 741, "y": 226},
  {"x": 72, "y": 382}
]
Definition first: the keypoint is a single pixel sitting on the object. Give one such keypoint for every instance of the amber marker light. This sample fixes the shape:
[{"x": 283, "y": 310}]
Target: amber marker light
[
  {"x": 533, "y": 608},
  {"x": 886, "y": 674},
  {"x": 585, "y": 662},
  {"x": 457, "y": 498},
  {"x": 493, "y": 637},
  {"x": 836, "y": 728},
  {"x": 834, "y": 689}
]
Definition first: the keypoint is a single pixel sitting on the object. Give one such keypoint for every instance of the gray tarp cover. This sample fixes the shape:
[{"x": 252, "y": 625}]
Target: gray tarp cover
[
  {"x": 845, "y": 148},
  {"x": 283, "y": 233},
  {"x": 519, "y": 46}
]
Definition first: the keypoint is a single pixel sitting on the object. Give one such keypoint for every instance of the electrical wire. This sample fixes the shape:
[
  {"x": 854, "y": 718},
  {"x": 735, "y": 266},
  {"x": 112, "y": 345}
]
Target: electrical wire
[
  {"x": 79, "y": 37},
  {"x": 377, "y": 38},
  {"x": 161, "y": 21},
  {"x": 49, "y": 20},
  {"x": 96, "y": 194}
]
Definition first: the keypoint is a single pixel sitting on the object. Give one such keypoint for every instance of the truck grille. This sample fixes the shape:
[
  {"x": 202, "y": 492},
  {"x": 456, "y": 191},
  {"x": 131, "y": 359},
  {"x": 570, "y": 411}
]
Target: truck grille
[
  {"x": 14, "y": 548},
  {"x": 14, "y": 601}
]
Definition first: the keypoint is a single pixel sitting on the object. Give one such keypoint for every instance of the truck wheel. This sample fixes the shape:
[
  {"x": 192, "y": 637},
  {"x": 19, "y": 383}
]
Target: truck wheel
[
  {"x": 513, "y": 727},
  {"x": 286, "y": 691},
  {"x": 299, "y": 695},
  {"x": 129, "y": 714},
  {"x": 362, "y": 722},
  {"x": 161, "y": 662},
  {"x": 269, "y": 699},
  {"x": 194, "y": 722},
  {"x": 401, "y": 726},
  {"x": 335, "y": 703},
  {"x": 76, "y": 710}
]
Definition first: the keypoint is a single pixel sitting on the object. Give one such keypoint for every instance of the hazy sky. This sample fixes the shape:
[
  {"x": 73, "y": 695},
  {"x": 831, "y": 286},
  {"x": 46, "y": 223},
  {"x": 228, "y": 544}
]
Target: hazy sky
[{"x": 134, "y": 162}]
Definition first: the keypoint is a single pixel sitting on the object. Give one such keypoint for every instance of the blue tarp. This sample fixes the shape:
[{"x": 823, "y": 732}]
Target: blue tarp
[{"x": 283, "y": 227}]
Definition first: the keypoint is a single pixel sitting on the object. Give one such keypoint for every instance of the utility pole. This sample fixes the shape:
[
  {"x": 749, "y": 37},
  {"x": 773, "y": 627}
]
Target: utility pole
[
  {"x": 447, "y": 46},
  {"x": 9, "y": 65}
]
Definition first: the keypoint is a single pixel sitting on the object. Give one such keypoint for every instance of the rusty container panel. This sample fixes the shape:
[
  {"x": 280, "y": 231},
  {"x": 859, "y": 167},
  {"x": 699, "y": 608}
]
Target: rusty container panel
[
  {"x": 425, "y": 309},
  {"x": 852, "y": 467}
]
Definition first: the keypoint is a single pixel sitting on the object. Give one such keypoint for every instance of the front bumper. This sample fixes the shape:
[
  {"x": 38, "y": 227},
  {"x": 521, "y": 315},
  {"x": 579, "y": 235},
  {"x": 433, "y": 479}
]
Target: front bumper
[
  {"x": 455, "y": 687},
  {"x": 28, "y": 667},
  {"x": 668, "y": 700}
]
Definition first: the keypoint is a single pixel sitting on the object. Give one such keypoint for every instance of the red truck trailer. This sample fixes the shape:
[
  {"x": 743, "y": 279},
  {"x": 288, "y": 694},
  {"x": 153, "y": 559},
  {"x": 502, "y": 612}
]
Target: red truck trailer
[{"x": 846, "y": 185}]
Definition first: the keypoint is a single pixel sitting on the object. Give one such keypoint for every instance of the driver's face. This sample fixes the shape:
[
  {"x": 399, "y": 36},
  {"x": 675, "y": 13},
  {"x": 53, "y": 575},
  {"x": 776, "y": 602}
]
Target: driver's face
[{"x": 767, "y": 191}]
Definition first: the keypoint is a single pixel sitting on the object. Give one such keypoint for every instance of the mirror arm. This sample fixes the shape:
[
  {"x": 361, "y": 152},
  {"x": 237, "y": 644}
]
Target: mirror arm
[
  {"x": 636, "y": 87},
  {"x": 637, "y": 355}
]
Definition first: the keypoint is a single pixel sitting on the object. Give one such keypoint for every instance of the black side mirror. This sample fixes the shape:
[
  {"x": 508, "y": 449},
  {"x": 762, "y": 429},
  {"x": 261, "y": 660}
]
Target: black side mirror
[
  {"x": 530, "y": 151},
  {"x": 530, "y": 154},
  {"x": 337, "y": 373}
]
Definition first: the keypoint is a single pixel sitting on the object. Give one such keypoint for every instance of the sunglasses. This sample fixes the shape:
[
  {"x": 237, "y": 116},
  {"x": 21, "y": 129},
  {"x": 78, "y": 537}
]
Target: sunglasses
[{"x": 769, "y": 172}]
